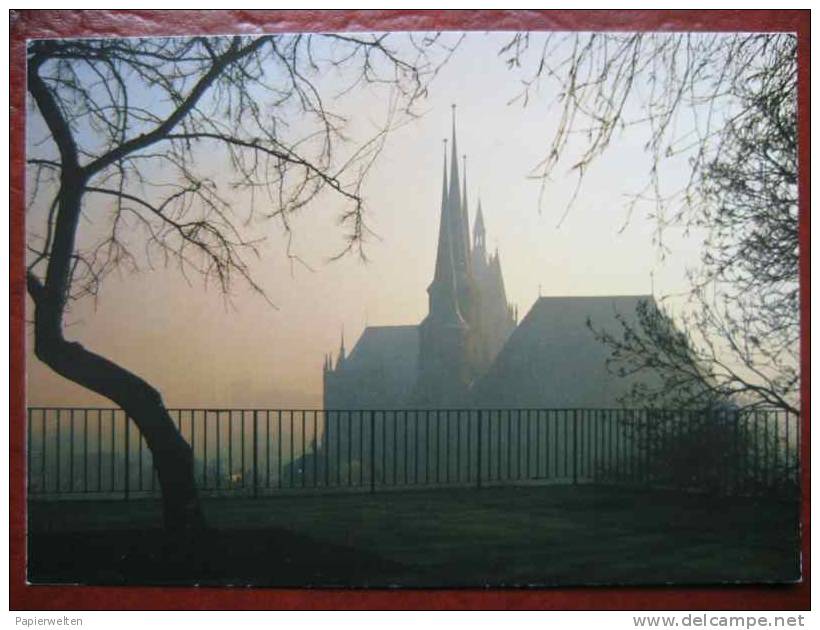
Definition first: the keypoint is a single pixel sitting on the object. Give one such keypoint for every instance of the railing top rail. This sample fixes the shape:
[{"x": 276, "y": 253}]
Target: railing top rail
[{"x": 430, "y": 410}]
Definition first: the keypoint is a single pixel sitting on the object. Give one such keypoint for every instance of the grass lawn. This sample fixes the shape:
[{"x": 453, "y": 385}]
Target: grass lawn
[{"x": 513, "y": 536}]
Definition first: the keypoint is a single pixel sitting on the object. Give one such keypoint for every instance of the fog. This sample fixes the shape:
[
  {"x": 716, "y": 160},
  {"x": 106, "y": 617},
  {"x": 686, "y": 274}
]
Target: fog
[{"x": 200, "y": 349}]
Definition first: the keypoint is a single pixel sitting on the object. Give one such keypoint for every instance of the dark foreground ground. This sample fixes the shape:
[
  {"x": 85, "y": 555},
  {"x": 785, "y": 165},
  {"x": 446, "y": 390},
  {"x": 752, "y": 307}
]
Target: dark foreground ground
[{"x": 493, "y": 537}]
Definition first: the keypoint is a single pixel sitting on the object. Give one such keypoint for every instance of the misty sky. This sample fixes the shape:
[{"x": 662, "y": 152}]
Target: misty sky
[{"x": 200, "y": 351}]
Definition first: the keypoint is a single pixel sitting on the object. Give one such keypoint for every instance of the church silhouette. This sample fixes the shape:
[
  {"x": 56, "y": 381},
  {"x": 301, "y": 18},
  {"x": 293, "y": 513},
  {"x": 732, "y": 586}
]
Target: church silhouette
[{"x": 470, "y": 351}]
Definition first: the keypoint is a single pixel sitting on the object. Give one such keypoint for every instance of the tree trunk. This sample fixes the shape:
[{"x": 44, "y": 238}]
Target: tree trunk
[{"x": 173, "y": 457}]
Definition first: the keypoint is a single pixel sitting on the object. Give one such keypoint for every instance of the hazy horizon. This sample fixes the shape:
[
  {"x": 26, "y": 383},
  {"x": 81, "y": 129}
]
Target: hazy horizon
[{"x": 199, "y": 350}]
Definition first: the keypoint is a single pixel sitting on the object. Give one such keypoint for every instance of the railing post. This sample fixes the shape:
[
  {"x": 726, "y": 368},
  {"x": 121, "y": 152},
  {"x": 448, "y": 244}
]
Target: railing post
[
  {"x": 478, "y": 450},
  {"x": 372, "y": 451},
  {"x": 127, "y": 460},
  {"x": 255, "y": 453},
  {"x": 647, "y": 469},
  {"x": 574, "y": 446}
]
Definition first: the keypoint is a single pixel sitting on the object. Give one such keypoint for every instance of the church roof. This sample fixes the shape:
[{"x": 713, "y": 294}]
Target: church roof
[
  {"x": 554, "y": 360},
  {"x": 380, "y": 371},
  {"x": 386, "y": 347}
]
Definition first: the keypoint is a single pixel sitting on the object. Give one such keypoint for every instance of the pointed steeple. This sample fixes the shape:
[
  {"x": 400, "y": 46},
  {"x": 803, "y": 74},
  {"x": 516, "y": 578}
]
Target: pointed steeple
[
  {"x": 461, "y": 248},
  {"x": 443, "y": 254},
  {"x": 342, "y": 355},
  {"x": 444, "y": 182},
  {"x": 479, "y": 231},
  {"x": 449, "y": 335},
  {"x": 443, "y": 290},
  {"x": 455, "y": 179},
  {"x": 496, "y": 277},
  {"x": 464, "y": 181},
  {"x": 465, "y": 212}
]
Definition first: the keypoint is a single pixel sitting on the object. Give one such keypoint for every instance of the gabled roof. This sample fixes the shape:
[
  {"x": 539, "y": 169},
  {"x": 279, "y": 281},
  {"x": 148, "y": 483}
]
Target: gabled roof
[
  {"x": 379, "y": 373},
  {"x": 385, "y": 347},
  {"x": 554, "y": 360}
]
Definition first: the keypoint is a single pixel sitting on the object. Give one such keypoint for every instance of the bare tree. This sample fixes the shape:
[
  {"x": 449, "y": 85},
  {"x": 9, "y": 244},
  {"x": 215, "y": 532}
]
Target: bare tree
[
  {"x": 133, "y": 128},
  {"x": 724, "y": 107}
]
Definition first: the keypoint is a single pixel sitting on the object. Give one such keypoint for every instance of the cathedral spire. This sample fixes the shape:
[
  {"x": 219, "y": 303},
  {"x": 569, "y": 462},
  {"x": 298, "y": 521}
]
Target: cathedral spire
[
  {"x": 464, "y": 181},
  {"x": 443, "y": 290},
  {"x": 342, "y": 354},
  {"x": 455, "y": 180},
  {"x": 479, "y": 218},
  {"x": 444, "y": 182},
  {"x": 479, "y": 232},
  {"x": 443, "y": 254},
  {"x": 456, "y": 211},
  {"x": 465, "y": 211}
]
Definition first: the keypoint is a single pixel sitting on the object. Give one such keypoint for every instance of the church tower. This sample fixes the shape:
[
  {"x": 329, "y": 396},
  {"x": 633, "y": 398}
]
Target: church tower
[
  {"x": 479, "y": 239},
  {"x": 435, "y": 364},
  {"x": 497, "y": 320},
  {"x": 447, "y": 336}
]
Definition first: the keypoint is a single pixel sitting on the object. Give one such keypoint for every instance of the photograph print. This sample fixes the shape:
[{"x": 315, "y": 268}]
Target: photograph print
[{"x": 413, "y": 309}]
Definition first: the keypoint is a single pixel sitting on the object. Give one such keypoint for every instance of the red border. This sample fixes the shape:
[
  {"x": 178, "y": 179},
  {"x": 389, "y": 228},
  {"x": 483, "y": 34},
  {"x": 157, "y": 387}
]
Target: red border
[{"x": 54, "y": 23}]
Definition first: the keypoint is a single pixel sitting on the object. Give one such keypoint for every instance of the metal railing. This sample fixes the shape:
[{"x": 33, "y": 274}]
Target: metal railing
[{"x": 98, "y": 452}]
